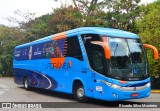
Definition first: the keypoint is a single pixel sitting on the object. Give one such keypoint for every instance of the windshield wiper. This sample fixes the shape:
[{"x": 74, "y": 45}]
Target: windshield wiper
[{"x": 115, "y": 48}]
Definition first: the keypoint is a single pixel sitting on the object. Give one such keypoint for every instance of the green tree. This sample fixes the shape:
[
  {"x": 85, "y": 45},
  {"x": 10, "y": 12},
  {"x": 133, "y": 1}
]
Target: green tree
[
  {"x": 65, "y": 18},
  {"x": 122, "y": 14},
  {"x": 9, "y": 38},
  {"x": 92, "y": 11},
  {"x": 149, "y": 31},
  {"x": 37, "y": 28},
  {"x": 108, "y": 13}
]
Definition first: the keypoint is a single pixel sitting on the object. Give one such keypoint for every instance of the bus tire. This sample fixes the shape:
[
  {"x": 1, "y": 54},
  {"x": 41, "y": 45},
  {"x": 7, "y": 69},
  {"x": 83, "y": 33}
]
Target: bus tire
[
  {"x": 26, "y": 83},
  {"x": 79, "y": 93}
]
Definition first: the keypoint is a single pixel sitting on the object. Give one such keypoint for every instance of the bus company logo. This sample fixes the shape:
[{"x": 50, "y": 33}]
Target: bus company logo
[
  {"x": 134, "y": 89},
  {"x": 65, "y": 65}
]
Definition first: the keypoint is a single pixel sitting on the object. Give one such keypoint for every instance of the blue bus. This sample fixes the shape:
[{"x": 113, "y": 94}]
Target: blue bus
[{"x": 88, "y": 62}]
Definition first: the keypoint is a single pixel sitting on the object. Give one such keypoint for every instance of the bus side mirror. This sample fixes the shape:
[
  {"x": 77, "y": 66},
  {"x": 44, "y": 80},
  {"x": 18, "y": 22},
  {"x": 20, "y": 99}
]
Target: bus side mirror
[
  {"x": 154, "y": 50},
  {"x": 105, "y": 47}
]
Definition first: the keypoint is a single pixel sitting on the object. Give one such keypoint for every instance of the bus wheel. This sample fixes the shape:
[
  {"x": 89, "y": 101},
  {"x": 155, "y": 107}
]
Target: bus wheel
[
  {"x": 79, "y": 93},
  {"x": 26, "y": 84}
]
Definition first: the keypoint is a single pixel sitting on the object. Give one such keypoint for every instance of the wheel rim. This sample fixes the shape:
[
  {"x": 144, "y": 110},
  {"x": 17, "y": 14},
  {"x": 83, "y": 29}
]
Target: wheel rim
[
  {"x": 80, "y": 92},
  {"x": 26, "y": 84}
]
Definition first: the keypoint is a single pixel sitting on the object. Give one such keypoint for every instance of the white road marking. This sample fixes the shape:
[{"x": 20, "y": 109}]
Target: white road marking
[
  {"x": 3, "y": 88},
  {"x": 1, "y": 92}
]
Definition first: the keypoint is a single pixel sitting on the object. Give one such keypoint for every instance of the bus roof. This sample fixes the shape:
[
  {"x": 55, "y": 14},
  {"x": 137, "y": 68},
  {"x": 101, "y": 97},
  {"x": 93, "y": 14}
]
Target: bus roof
[{"x": 110, "y": 32}]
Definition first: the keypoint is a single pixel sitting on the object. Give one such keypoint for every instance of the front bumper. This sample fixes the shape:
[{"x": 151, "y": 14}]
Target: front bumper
[{"x": 116, "y": 94}]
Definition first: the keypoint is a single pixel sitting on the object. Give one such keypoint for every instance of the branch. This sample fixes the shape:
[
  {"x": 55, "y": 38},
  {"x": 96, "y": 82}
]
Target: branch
[{"x": 74, "y": 2}]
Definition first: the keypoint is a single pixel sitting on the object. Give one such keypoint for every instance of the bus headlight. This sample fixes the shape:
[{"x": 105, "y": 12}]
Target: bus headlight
[
  {"x": 107, "y": 83},
  {"x": 115, "y": 86},
  {"x": 112, "y": 85},
  {"x": 148, "y": 84}
]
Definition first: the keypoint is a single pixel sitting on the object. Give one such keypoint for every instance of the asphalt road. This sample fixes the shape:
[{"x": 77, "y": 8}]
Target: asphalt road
[{"x": 10, "y": 92}]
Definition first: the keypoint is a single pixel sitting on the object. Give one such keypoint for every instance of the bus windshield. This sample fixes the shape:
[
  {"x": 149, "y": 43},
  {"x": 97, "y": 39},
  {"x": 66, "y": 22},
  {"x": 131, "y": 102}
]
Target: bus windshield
[{"x": 128, "y": 60}]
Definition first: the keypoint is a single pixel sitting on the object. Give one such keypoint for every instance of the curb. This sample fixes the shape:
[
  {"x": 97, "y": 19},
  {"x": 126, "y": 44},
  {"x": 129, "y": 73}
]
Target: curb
[{"x": 155, "y": 91}]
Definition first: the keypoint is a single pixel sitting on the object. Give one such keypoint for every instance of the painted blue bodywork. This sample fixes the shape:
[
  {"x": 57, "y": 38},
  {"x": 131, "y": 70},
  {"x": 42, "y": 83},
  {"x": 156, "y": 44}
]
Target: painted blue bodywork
[{"x": 42, "y": 74}]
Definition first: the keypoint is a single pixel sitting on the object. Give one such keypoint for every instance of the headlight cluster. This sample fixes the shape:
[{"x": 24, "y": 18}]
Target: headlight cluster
[
  {"x": 110, "y": 84},
  {"x": 148, "y": 84},
  {"x": 115, "y": 86}
]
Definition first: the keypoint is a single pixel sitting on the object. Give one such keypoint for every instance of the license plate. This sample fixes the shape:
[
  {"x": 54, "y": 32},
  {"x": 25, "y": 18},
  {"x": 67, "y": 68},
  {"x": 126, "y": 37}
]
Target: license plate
[{"x": 134, "y": 95}]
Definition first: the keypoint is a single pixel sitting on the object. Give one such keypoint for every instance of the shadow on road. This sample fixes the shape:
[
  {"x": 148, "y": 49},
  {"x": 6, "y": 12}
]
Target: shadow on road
[
  {"x": 93, "y": 103},
  {"x": 51, "y": 93}
]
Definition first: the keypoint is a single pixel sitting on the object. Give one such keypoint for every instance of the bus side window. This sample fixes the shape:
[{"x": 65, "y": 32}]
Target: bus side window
[
  {"x": 87, "y": 38},
  {"x": 73, "y": 48}
]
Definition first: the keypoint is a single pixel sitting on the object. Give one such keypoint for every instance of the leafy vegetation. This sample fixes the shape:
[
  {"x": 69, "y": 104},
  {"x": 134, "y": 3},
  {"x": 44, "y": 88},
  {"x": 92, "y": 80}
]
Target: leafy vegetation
[
  {"x": 148, "y": 26},
  {"x": 9, "y": 38}
]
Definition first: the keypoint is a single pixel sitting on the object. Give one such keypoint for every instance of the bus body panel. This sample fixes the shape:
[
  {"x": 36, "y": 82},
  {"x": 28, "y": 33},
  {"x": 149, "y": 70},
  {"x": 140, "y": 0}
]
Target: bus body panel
[{"x": 42, "y": 73}]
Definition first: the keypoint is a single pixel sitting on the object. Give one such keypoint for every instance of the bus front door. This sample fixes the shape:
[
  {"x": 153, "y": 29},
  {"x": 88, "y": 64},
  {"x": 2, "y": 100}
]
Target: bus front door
[
  {"x": 98, "y": 74},
  {"x": 98, "y": 86}
]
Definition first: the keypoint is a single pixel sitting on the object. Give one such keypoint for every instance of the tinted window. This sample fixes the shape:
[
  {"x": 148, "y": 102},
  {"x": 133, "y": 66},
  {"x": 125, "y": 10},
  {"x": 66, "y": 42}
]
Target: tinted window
[
  {"x": 95, "y": 56},
  {"x": 73, "y": 48}
]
